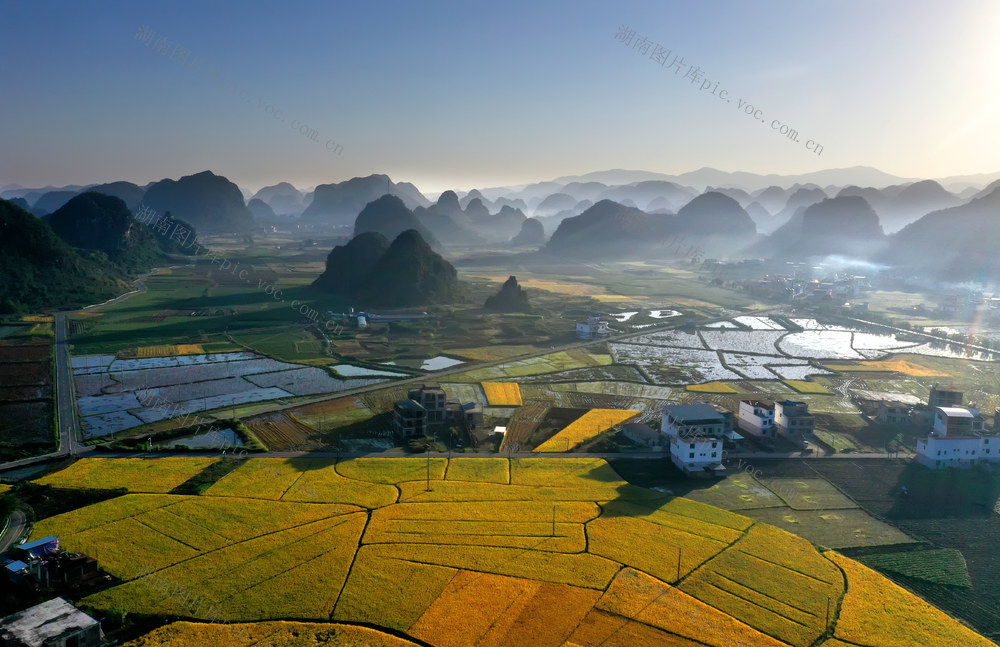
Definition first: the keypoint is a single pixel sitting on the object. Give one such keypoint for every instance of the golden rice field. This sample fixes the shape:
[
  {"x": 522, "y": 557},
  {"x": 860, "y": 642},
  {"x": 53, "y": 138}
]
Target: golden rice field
[
  {"x": 155, "y": 475},
  {"x": 169, "y": 350},
  {"x": 503, "y": 394},
  {"x": 872, "y": 602},
  {"x": 274, "y": 634},
  {"x": 588, "y": 426},
  {"x": 902, "y": 366},
  {"x": 530, "y": 551}
]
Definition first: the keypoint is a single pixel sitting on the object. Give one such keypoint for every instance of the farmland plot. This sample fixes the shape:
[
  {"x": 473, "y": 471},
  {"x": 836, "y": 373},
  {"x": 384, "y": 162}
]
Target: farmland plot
[
  {"x": 674, "y": 365},
  {"x": 797, "y": 372},
  {"x": 154, "y": 414},
  {"x": 177, "y": 361},
  {"x": 148, "y": 378},
  {"x": 104, "y": 424},
  {"x": 761, "y": 342},
  {"x": 759, "y": 323},
  {"x": 307, "y": 381},
  {"x": 678, "y": 338},
  {"x": 820, "y": 344},
  {"x": 569, "y": 553},
  {"x": 755, "y": 366}
]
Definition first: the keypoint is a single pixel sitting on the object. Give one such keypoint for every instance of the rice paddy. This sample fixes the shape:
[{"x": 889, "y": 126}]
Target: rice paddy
[{"x": 572, "y": 555}]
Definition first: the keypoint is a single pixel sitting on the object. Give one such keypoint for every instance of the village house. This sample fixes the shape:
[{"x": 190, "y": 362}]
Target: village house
[
  {"x": 593, "y": 328},
  {"x": 958, "y": 439},
  {"x": 891, "y": 412},
  {"x": 757, "y": 418},
  {"x": 792, "y": 420},
  {"x": 696, "y": 433}
]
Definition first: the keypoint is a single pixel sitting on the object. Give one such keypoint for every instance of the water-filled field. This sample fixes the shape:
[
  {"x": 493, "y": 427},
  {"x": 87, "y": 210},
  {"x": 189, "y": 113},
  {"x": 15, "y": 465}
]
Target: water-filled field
[{"x": 118, "y": 394}]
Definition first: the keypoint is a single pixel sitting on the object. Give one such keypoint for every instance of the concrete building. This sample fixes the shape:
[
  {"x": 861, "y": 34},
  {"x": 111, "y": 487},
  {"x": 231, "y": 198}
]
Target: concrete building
[
  {"x": 792, "y": 419},
  {"x": 55, "y": 623},
  {"x": 957, "y": 421},
  {"x": 696, "y": 434},
  {"x": 959, "y": 440},
  {"x": 432, "y": 398},
  {"x": 409, "y": 419},
  {"x": 944, "y": 396},
  {"x": 593, "y": 328},
  {"x": 757, "y": 418},
  {"x": 891, "y": 412}
]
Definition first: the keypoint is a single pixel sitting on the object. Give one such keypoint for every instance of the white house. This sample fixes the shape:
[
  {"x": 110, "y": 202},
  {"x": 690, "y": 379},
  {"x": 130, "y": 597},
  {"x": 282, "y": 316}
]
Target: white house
[
  {"x": 757, "y": 418},
  {"x": 593, "y": 328},
  {"x": 958, "y": 440},
  {"x": 696, "y": 433}
]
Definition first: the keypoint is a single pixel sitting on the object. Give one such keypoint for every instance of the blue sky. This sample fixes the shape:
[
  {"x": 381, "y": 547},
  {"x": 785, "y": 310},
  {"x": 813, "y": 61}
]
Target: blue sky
[{"x": 462, "y": 94}]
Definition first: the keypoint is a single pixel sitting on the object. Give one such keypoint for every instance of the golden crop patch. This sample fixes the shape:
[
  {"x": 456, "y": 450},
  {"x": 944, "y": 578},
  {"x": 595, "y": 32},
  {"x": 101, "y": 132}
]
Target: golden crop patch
[
  {"x": 503, "y": 394},
  {"x": 639, "y": 597},
  {"x": 589, "y": 425},
  {"x": 567, "y": 553},
  {"x": 876, "y": 606},
  {"x": 508, "y": 611},
  {"x": 805, "y": 386},
  {"x": 773, "y": 581},
  {"x": 273, "y": 634},
  {"x": 712, "y": 387},
  {"x": 154, "y": 475}
]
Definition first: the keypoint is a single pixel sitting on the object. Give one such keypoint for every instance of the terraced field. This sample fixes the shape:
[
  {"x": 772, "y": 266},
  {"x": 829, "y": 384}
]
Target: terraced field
[{"x": 524, "y": 551}]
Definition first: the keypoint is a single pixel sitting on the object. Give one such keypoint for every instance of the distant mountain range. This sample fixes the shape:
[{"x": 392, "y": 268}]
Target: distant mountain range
[{"x": 858, "y": 211}]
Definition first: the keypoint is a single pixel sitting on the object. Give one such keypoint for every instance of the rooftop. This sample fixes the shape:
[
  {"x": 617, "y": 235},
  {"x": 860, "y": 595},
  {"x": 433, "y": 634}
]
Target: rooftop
[
  {"x": 409, "y": 405},
  {"x": 690, "y": 414},
  {"x": 37, "y": 625},
  {"x": 956, "y": 412}
]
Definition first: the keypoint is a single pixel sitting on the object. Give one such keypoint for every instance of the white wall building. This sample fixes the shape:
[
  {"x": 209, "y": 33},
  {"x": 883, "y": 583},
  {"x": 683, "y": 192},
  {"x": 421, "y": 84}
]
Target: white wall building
[
  {"x": 696, "y": 433},
  {"x": 958, "y": 440},
  {"x": 593, "y": 328},
  {"x": 757, "y": 418}
]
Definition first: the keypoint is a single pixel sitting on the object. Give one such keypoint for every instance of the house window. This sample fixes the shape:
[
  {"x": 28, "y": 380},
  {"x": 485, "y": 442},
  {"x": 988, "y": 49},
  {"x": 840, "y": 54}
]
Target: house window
[
  {"x": 714, "y": 445},
  {"x": 691, "y": 455},
  {"x": 692, "y": 446},
  {"x": 713, "y": 454}
]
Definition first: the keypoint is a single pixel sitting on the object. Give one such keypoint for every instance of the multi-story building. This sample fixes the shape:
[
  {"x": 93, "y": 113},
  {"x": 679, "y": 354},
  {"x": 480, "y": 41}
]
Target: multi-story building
[
  {"x": 944, "y": 396},
  {"x": 757, "y": 418},
  {"x": 409, "y": 419},
  {"x": 432, "y": 398},
  {"x": 792, "y": 419},
  {"x": 696, "y": 433},
  {"x": 891, "y": 412},
  {"x": 593, "y": 328},
  {"x": 958, "y": 439}
]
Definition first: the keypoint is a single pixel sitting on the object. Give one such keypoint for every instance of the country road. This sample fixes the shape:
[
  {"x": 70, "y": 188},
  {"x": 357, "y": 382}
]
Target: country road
[{"x": 16, "y": 525}]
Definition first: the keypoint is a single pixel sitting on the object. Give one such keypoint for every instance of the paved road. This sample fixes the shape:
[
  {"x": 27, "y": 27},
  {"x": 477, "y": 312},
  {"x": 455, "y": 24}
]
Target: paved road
[
  {"x": 65, "y": 397},
  {"x": 16, "y": 527}
]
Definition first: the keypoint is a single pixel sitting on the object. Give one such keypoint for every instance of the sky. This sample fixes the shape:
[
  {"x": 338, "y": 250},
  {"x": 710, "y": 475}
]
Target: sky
[{"x": 473, "y": 94}]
